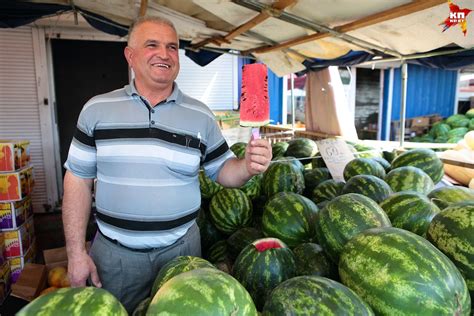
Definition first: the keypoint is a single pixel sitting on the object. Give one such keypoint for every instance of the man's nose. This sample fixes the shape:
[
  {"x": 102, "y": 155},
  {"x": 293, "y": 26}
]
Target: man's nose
[{"x": 162, "y": 52}]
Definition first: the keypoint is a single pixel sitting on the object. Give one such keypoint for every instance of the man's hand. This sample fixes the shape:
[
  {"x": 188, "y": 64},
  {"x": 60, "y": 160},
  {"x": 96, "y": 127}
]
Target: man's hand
[
  {"x": 258, "y": 156},
  {"x": 80, "y": 267}
]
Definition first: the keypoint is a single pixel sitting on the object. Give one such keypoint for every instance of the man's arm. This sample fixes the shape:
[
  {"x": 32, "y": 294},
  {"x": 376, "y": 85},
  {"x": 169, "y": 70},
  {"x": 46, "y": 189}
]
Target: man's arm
[
  {"x": 76, "y": 211},
  {"x": 236, "y": 173}
]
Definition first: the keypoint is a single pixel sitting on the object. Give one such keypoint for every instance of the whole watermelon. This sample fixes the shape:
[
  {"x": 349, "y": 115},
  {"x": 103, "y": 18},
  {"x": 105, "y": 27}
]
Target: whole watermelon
[
  {"x": 369, "y": 186},
  {"x": 311, "y": 259},
  {"x": 400, "y": 273},
  {"x": 208, "y": 187},
  {"x": 312, "y": 295},
  {"x": 326, "y": 191},
  {"x": 262, "y": 265},
  {"x": 290, "y": 217},
  {"x": 457, "y": 120},
  {"x": 279, "y": 149},
  {"x": 239, "y": 149},
  {"x": 142, "y": 307},
  {"x": 230, "y": 209},
  {"x": 74, "y": 302},
  {"x": 177, "y": 266},
  {"x": 383, "y": 162},
  {"x": 452, "y": 232},
  {"x": 423, "y": 158},
  {"x": 318, "y": 161},
  {"x": 359, "y": 166},
  {"x": 409, "y": 179},
  {"x": 208, "y": 231},
  {"x": 412, "y": 211},
  {"x": 313, "y": 177},
  {"x": 202, "y": 292},
  {"x": 241, "y": 238},
  {"x": 293, "y": 160},
  {"x": 302, "y": 148},
  {"x": 446, "y": 196},
  {"x": 344, "y": 217},
  {"x": 253, "y": 187},
  {"x": 218, "y": 252},
  {"x": 282, "y": 177}
]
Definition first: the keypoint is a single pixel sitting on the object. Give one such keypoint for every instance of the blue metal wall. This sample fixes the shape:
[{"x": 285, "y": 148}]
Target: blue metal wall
[
  {"x": 429, "y": 91},
  {"x": 275, "y": 91}
]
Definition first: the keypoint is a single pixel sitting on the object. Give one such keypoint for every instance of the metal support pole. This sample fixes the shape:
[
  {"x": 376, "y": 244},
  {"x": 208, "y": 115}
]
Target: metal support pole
[
  {"x": 403, "y": 101},
  {"x": 293, "y": 107}
]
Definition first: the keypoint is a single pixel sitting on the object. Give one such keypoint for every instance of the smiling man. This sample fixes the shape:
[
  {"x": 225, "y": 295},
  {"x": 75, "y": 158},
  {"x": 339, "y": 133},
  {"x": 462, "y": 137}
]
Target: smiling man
[{"x": 144, "y": 144}]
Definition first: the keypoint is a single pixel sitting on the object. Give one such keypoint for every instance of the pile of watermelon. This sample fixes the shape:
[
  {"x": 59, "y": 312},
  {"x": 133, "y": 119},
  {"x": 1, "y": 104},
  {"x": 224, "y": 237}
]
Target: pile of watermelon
[
  {"x": 449, "y": 130},
  {"x": 294, "y": 241}
]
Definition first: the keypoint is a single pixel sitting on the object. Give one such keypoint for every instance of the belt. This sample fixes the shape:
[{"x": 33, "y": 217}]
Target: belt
[{"x": 116, "y": 242}]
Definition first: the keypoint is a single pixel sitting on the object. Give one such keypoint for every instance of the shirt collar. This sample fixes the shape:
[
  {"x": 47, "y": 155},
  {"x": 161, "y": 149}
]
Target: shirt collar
[{"x": 176, "y": 94}]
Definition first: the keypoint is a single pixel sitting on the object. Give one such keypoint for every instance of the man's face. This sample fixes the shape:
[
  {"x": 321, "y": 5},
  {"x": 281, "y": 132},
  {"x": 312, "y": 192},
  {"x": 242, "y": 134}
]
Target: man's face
[{"x": 153, "y": 54}]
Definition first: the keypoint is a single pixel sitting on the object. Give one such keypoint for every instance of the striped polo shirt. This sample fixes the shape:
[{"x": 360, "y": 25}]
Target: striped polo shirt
[{"x": 146, "y": 161}]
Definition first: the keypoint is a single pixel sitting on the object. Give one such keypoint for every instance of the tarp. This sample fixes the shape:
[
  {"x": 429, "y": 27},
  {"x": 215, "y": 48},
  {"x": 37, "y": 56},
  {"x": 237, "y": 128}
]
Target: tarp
[{"x": 402, "y": 28}]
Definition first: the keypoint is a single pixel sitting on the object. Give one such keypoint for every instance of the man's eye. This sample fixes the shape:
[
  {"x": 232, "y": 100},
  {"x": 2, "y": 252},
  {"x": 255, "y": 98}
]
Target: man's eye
[
  {"x": 150, "y": 45},
  {"x": 173, "y": 47}
]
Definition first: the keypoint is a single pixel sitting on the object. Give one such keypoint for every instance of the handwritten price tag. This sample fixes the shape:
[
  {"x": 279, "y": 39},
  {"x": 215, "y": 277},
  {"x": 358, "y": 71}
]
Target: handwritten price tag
[{"x": 336, "y": 154}]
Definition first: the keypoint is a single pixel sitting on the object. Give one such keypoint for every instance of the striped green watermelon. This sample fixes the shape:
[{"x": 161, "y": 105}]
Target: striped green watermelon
[
  {"x": 253, "y": 187},
  {"x": 359, "y": 166},
  {"x": 326, "y": 191},
  {"x": 142, "y": 307},
  {"x": 364, "y": 151},
  {"x": 313, "y": 295},
  {"x": 279, "y": 149},
  {"x": 218, "y": 252},
  {"x": 239, "y": 149},
  {"x": 389, "y": 155},
  {"x": 74, "y": 302},
  {"x": 440, "y": 130},
  {"x": 454, "y": 140},
  {"x": 400, "y": 273},
  {"x": 383, "y": 162},
  {"x": 458, "y": 131},
  {"x": 471, "y": 125},
  {"x": 207, "y": 186},
  {"x": 294, "y": 161},
  {"x": 445, "y": 196},
  {"x": 177, "y": 266},
  {"x": 302, "y": 148},
  {"x": 290, "y": 217},
  {"x": 282, "y": 177},
  {"x": 262, "y": 265},
  {"x": 312, "y": 260},
  {"x": 457, "y": 120},
  {"x": 202, "y": 292},
  {"x": 318, "y": 161},
  {"x": 452, "y": 232},
  {"x": 241, "y": 238},
  {"x": 208, "y": 231},
  {"x": 369, "y": 186},
  {"x": 423, "y": 158},
  {"x": 313, "y": 177},
  {"x": 409, "y": 179},
  {"x": 411, "y": 211},
  {"x": 344, "y": 217},
  {"x": 230, "y": 209},
  {"x": 470, "y": 114}
]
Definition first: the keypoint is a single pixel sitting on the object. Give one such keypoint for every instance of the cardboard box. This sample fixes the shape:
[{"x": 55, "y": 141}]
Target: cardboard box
[
  {"x": 17, "y": 264},
  {"x": 15, "y": 186},
  {"x": 18, "y": 241},
  {"x": 5, "y": 281},
  {"x": 13, "y": 214},
  {"x": 32, "y": 281},
  {"x": 14, "y": 154}
]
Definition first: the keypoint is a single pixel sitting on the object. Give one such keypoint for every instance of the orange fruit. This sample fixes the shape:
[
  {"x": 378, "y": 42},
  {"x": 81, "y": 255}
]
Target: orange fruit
[
  {"x": 48, "y": 290},
  {"x": 56, "y": 276}
]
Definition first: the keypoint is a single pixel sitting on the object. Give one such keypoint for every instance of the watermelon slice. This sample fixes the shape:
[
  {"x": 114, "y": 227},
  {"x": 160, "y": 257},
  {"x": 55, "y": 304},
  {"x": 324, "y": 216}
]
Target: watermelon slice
[{"x": 254, "y": 104}]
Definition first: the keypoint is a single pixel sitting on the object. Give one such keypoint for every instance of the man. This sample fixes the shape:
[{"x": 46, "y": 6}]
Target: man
[{"x": 144, "y": 144}]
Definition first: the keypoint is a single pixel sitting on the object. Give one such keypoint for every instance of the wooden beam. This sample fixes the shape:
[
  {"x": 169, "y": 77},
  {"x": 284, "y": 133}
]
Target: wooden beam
[
  {"x": 279, "y": 5},
  {"x": 390, "y": 14},
  {"x": 143, "y": 7}
]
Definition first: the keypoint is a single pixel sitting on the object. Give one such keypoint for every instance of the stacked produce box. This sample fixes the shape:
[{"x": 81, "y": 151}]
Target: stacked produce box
[
  {"x": 16, "y": 220},
  {"x": 294, "y": 241}
]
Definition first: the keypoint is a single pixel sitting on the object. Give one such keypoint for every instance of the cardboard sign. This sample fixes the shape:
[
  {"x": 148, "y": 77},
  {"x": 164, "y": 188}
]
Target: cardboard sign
[{"x": 336, "y": 154}]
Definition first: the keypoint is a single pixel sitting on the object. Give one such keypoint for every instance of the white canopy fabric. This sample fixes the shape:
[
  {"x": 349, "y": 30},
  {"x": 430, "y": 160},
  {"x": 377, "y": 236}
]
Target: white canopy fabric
[{"x": 400, "y": 27}]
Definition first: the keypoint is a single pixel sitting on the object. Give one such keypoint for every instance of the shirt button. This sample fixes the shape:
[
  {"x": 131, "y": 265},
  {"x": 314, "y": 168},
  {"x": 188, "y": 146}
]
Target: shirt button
[
  {"x": 152, "y": 111},
  {"x": 153, "y": 122}
]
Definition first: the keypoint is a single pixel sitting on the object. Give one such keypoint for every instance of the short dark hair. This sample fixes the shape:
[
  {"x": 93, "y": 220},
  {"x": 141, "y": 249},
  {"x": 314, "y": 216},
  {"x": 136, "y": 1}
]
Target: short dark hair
[{"x": 153, "y": 19}]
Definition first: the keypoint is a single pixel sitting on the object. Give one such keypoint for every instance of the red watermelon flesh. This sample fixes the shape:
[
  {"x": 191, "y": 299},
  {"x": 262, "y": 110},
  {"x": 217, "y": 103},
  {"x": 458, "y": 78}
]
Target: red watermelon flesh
[{"x": 254, "y": 103}]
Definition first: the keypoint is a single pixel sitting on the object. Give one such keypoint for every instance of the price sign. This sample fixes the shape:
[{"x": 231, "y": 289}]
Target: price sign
[{"x": 336, "y": 154}]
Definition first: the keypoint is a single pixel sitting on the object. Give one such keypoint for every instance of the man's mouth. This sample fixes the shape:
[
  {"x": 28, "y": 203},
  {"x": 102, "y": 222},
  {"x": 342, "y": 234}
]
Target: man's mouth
[{"x": 161, "y": 65}]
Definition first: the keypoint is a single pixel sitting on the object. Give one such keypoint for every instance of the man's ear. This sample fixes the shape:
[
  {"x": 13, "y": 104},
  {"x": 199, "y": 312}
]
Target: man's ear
[{"x": 128, "y": 52}]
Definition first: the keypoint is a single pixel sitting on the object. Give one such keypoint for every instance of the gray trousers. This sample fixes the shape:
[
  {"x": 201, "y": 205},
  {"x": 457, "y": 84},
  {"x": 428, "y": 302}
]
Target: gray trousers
[{"x": 129, "y": 274}]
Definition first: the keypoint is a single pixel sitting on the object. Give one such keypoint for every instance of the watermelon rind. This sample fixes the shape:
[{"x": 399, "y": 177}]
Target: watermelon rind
[
  {"x": 230, "y": 209},
  {"x": 400, "y": 273},
  {"x": 311, "y": 259},
  {"x": 423, "y": 158},
  {"x": 445, "y": 196},
  {"x": 326, "y": 191},
  {"x": 368, "y": 185},
  {"x": 409, "y": 179},
  {"x": 360, "y": 166}
]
